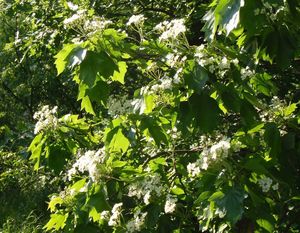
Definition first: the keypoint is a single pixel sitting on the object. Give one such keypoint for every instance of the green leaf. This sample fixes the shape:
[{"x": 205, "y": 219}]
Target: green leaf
[
  {"x": 249, "y": 115},
  {"x": 57, "y": 156},
  {"x": 177, "y": 191},
  {"x": 265, "y": 224},
  {"x": 62, "y": 58},
  {"x": 256, "y": 128},
  {"x": 232, "y": 203},
  {"x": 119, "y": 75},
  {"x": 206, "y": 111},
  {"x": 216, "y": 195},
  {"x": 98, "y": 199},
  {"x": 224, "y": 16},
  {"x": 53, "y": 202},
  {"x": 152, "y": 217},
  {"x": 36, "y": 141},
  {"x": 262, "y": 83},
  {"x": 257, "y": 165},
  {"x": 296, "y": 198},
  {"x": 79, "y": 184},
  {"x": 202, "y": 197},
  {"x": 289, "y": 109},
  {"x": 99, "y": 93},
  {"x": 94, "y": 214},
  {"x": 57, "y": 221},
  {"x": 95, "y": 63},
  {"x": 36, "y": 147},
  {"x": 155, "y": 130},
  {"x": 280, "y": 45},
  {"x": 148, "y": 101},
  {"x": 87, "y": 105},
  {"x": 117, "y": 141},
  {"x": 231, "y": 99},
  {"x": 272, "y": 138},
  {"x": 195, "y": 76},
  {"x": 118, "y": 164}
]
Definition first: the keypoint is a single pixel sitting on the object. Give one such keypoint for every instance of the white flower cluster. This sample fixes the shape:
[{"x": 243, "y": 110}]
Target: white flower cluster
[
  {"x": 170, "y": 204},
  {"x": 150, "y": 185},
  {"x": 276, "y": 111},
  {"x": 46, "y": 119},
  {"x": 115, "y": 215},
  {"x": 137, "y": 222},
  {"x": 136, "y": 20},
  {"x": 170, "y": 30},
  {"x": 166, "y": 83},
  {"x": 119, "y": 106},
  {"x": 174, "y": 59},
  {"x": 246, "y": 72},
  {"x": 174, "y": 133},
  {"x": 75, "y": 19},
  {"x": 80, "y": 21},
  {"x": 176, "y": 77},
  {"x": 72, "y": 6},
  {"x": 97, "y": 24},
  {"x": 265, "y": 183},
  {"x": 208, "y": 156},
  {"x": 206, "y": 60},
  {"x": 105, "y": 215},
  {"x": 88, "y": 162}
]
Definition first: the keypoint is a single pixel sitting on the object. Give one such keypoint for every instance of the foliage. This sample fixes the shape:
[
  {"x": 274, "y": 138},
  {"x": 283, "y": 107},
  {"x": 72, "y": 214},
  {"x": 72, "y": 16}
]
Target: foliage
[
  {"x": 174, "y": 134},
  {"x": 23, "y": 194}
]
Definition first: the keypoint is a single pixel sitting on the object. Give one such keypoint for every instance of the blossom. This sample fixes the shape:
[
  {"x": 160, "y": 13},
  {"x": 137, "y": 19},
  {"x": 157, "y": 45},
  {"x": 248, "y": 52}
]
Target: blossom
[
  {"x": 224, "y": 64},
  {"x": 265, "y": 183},
  {"x": 97, "y": 24},
  {"x": 136, "y": 20},
  {"x": 46, "y": 119},
  {"x": 170, "y": 204},
  {"x": 171, "y": 30},
  {"x": 119, "y": 106},
  {"x": 137, "y": 222},
  {"x": 144, "y": 189},
  {"x": 72, "y": 6},
  {"x": 75, "y": 18},
  {"x": 275, "y": 186},
  {"x": 88, "y": 162},
  {"x": 210, "y": 155},
  {"x": 176, "y": 78},
  {"x": 193, "y": 169},
  {"x": 220, "y": 149},
  {"x": 105, "y": 215},
  {"x": 116, "y": 212},
  {"x": 246, "y": 72},
  {"x": 172, "y": 59}
]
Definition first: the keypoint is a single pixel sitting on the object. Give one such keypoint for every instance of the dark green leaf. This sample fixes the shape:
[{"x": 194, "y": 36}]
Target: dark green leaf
[
  {"x": 232, "y": 203},
  {"x": 272, "y": 138},
  {"x": 195, "y": 76},
  {"x": 206, "y": 111}
]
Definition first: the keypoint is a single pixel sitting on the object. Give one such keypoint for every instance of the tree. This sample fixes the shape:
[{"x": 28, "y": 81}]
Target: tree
[{"x": 176, "y": 133}]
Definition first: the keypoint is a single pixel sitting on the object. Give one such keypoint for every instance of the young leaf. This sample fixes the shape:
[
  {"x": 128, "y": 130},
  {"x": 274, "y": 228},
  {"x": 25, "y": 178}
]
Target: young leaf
[
  {"x": 57, "y": 221},
  {"x": 119, "y": 75}
]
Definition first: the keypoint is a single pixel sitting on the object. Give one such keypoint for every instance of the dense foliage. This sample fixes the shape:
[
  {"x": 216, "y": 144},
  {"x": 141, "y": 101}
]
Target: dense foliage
[{"x": 151, "y": 116}]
